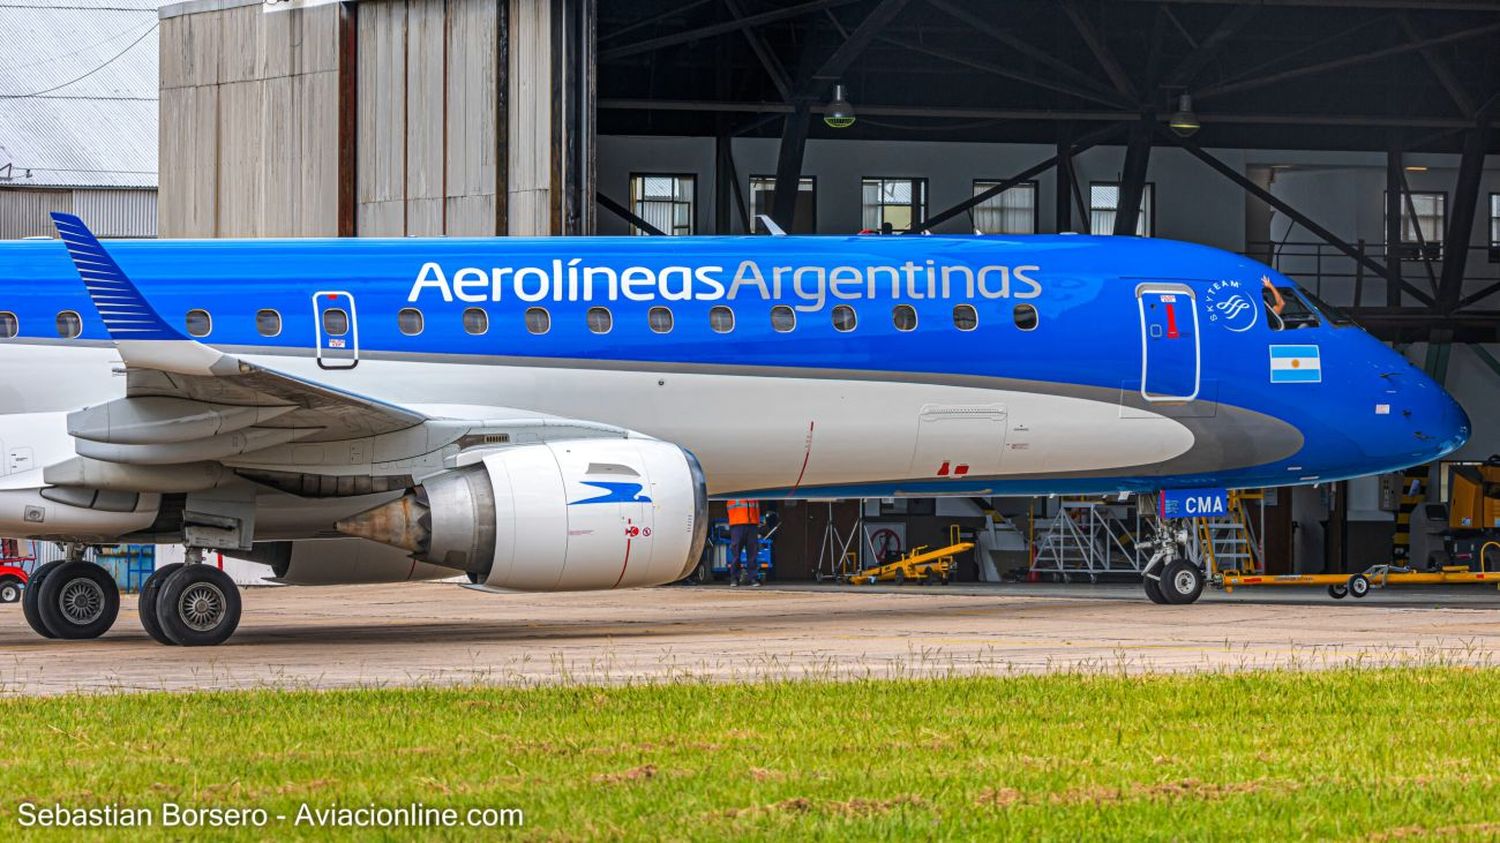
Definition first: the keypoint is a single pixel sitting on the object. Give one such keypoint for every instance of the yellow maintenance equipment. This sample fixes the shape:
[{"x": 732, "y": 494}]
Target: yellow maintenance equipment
[
  {"x": 1474, "y": 497},
  {"x": 920, "y": 565}
]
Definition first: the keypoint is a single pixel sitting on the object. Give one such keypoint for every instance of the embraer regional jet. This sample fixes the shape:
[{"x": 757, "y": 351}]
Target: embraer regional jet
[{"x": 551, "y": 414}]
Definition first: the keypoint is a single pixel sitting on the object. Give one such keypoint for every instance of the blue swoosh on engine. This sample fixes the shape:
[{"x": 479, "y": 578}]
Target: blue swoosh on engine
[{"x": 614, "y": 493}]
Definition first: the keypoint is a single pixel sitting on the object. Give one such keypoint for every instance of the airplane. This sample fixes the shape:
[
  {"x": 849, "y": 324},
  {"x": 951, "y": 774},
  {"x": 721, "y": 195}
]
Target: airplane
[{"x": 555, "y": 413}]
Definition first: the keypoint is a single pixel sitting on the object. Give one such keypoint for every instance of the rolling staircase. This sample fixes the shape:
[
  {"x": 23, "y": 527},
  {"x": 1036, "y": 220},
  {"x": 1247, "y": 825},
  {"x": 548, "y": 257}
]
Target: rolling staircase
[{"x": 1232, "y": 542}]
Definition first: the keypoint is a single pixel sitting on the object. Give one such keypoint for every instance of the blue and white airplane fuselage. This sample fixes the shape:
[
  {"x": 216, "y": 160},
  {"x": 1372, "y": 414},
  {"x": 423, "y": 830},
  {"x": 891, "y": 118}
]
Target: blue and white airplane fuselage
[
  {"x": 1150, "y": 364},
  {"x": 286, "y": 390}
]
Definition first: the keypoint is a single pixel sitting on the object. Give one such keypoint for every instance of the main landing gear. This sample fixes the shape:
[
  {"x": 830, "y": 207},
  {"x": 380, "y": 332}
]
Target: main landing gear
[{"x": 191, "y": 604}]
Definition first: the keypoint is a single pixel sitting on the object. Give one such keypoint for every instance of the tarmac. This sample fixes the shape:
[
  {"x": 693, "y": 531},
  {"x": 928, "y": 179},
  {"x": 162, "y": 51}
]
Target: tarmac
[{"x": 439, "y": 633}]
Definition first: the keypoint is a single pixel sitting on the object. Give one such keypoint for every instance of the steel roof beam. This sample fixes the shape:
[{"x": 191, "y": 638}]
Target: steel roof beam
[{"x": 717, "y": 29}]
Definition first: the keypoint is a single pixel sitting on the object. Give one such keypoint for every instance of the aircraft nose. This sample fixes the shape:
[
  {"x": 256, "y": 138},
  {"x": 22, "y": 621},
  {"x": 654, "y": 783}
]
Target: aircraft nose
[{"x": 1437, "y": 422}]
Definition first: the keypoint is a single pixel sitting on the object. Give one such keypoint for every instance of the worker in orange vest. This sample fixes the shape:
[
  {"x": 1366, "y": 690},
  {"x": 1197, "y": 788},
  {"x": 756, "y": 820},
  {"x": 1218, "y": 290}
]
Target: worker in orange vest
[{"x": 744, "y": 535}]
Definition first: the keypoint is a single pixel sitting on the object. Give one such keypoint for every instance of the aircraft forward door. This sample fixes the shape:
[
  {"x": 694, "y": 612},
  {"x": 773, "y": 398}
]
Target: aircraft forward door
[
  {"x": 335, "y": 329},
  {"x": 1171, "y": 361}
]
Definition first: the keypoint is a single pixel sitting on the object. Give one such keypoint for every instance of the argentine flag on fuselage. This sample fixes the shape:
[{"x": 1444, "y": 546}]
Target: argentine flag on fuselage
[{"x": 1296, "y": 364}]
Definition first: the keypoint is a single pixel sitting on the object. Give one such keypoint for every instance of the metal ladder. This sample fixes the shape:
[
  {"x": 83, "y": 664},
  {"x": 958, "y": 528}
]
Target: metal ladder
[{"x": 1085, "y": 539}]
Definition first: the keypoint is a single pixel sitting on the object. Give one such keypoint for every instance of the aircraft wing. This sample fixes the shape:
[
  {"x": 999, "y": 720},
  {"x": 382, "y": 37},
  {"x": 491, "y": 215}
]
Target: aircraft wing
[{"x": 160, "y": 362}]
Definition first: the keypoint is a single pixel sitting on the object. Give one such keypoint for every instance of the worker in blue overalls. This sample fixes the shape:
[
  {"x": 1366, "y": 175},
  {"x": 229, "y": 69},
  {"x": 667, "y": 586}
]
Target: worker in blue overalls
[{"x": 744, "y": 535}]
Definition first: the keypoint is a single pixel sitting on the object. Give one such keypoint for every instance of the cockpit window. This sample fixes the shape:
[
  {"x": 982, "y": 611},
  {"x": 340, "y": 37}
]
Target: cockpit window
[
  {"x": 1334, "y": 316},
  {"x": 1285, "y": 310}
]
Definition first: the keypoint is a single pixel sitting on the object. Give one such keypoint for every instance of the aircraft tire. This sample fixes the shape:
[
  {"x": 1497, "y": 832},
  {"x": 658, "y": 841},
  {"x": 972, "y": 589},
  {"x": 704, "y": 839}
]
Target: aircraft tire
[
  {"x": 1152, "y": 588},
  {"x": 29, "y": 598},
  {"x": 198, "y": 606},
  {"x": 1181, "y": 582},
  {"x": 78, "y": 600},
  {"x": 146, "y": 603}
]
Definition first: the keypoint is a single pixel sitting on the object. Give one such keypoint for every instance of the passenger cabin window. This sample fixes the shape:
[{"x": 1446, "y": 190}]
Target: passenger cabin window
[
  {"x": 844, "y": 318},
  {"x": 476, "y": 321},
  {"x": 1286, "y": 310},
  {"x": 783, "y": 319},
  {"x": 1025, "y": 316},
  {"x": 267, "y": 323},
  {"x": 538, "y": 320},
  {"x": 199, "y": 323},
  {"x": 721, "y": 319},
  {"x": 904, "y": 317},
  {"x": 9, "y": 325},
  {"x": 335, "y": 322},
  {"x": 660, "y": 319},
  {"x": 69, "y": 325},
  {"x": 965, "y": 317},
  {"x": 600, "y": 320},
  {"x": 409, "y": 320}
]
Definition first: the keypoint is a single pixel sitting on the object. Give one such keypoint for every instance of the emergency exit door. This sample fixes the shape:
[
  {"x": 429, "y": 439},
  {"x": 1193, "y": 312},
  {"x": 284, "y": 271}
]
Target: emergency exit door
[
  {"x": 1170, "y": 358},
  {"x": 335, "y": 329}
]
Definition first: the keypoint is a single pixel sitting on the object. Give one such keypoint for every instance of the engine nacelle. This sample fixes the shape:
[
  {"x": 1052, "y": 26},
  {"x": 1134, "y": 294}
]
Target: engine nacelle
[
  {"x": 560, "y": 516},
  {"x": 339, "y": 562}
]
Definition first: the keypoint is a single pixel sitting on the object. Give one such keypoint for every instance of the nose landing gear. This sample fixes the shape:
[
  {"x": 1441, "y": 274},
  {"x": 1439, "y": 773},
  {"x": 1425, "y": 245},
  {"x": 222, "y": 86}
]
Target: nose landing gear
[{"x": 1169, "y": 578}]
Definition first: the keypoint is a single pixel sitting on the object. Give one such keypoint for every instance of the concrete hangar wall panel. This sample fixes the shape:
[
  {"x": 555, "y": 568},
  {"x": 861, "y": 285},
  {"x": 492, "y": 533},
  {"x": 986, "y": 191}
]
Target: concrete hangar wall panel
[
  {"x": 249, "y": 121},
  {"x": 429, "y": 116}
]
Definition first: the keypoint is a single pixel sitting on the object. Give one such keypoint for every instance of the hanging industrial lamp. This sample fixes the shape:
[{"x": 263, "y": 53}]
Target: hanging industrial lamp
[
  {"x": 1185, "y": 122},
  {"x": 839, "y": 114}
]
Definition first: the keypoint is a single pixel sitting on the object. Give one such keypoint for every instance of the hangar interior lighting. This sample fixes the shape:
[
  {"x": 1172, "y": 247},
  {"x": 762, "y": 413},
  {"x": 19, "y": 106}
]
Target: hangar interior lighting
[
  {"x": 1184, "y": 122},
  {"x": 840, "y": 114}
]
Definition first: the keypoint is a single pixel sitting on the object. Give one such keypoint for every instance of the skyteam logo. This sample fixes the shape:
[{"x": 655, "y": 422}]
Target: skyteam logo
[
  {"x": 1232, "y": 305},
  {"x": 614, "y": 493},
  {"x": 1296, "y": 364}
]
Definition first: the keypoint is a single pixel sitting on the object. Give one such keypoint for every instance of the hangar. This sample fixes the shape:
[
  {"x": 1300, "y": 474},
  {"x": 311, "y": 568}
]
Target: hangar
[{"x": 1347, "y": 143}]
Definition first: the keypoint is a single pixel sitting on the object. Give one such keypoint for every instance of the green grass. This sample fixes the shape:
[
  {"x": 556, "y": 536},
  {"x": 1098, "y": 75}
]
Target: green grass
[{"x": 1332, "y": 754}]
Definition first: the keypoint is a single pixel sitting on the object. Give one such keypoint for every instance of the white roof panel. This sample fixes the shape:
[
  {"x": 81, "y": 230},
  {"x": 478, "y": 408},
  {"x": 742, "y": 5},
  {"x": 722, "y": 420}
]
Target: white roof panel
[{"x": 78, "y": 93}]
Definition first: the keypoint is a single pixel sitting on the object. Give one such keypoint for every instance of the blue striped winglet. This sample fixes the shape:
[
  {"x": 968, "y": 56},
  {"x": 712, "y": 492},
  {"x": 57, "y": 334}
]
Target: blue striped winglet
[{"x": 125, "y": 312}]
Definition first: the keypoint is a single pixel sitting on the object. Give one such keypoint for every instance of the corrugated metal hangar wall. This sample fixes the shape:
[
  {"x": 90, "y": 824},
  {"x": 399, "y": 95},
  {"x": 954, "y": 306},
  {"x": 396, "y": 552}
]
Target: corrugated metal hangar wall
[{"x": 377, "y": 118}]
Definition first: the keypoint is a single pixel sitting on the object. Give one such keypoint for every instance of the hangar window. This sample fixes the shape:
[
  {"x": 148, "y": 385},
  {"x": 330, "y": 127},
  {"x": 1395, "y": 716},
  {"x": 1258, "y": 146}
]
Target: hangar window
[
  {"x": 600, "y": 320},
  {"x": 763, "y": 199},
  {"x": 9, "y": 325},
  {"x": 783, "y": 319},
  {"x": 844, "y": 318},
  {"x": 1025, "y": 316},
  {"x": 538, "y": 320},
  {"x": 69, "y": 324},
  {"x": 905, "y": 317},
  {"x": 409, "y": 320},
  {"x": 267, "y": 323},
  {"x": 476, "y": 321},
  {"x": 965, "y": 317},
  {"x": 1011, "y": 212},
  {"x": 721, "y": 319},
  {"x": 199, "y": 323},
  {"x": 1423, "y": 219},
  {"x": 893, "y": 204},
  {"x": 335, "y": 322},
  {"x": 1104, "y": 201},
  {"x": 664, "y": 200},
  {"x": 660, "y": 319},
  {"x": 1495, "y": 228}
]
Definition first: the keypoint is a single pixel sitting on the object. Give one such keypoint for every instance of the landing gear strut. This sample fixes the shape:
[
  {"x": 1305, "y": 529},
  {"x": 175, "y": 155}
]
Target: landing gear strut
[
  {"x": 1169, "y": 578},
  {"x": 71, "y": 598},
  {"x": 192, "y": 604}
]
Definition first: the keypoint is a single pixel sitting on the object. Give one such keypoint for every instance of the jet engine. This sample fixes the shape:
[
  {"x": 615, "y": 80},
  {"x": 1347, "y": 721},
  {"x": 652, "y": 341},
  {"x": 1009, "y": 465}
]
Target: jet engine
[{"x": 559, "y": 516}]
